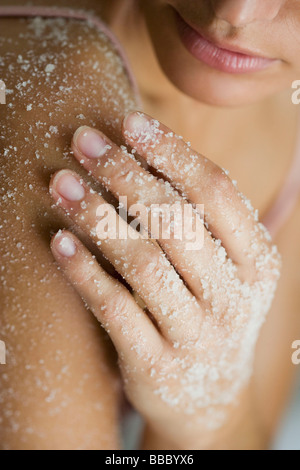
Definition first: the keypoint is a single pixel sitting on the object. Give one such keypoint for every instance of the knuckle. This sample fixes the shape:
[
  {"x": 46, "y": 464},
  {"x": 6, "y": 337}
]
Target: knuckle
[
  {"x": 151, "y": 267},
  {"x": 192, "y": 335},
  {"x": 121, "y": 178},
  {"x": 122, "y": 174},
  {"x": 161, "y": 364},
  {"x": 117, "y": 305},
  {"x": 222, "y": 186},
  {"x": 85, "y": 275}
]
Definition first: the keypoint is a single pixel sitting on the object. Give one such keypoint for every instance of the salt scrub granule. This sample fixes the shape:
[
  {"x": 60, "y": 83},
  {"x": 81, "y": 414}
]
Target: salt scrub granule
[
  {"x": 207, "y": 375},
  {"x": 149, "y": 135},
  {"x": 48, "y": 101},
  {"x": 53, "y": 129},
  {"x": 129, "y": 177},
  {"x": 49, "y": 68}
]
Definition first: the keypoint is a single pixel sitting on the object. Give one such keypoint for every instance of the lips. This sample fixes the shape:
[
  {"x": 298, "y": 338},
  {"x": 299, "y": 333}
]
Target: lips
[{"x": 217, "y": 57}]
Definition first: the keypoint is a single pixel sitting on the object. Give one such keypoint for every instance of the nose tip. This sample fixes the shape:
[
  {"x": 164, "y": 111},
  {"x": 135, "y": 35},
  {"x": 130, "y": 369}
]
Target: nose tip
[{"x": 242, "y": 12}]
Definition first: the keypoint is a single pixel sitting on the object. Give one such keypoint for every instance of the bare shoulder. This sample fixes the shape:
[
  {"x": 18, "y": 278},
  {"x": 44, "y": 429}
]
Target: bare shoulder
[
  {"x": 51, "y": 66},
  {"x": 59, "y": 75}
]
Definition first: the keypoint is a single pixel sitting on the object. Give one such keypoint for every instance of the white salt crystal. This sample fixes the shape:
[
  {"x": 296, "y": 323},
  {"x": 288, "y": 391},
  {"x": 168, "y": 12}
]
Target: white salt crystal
[{"x": 50, "y": 68}]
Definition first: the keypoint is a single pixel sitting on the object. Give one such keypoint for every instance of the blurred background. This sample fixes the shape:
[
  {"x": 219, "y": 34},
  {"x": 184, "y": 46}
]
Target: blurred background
[{"x": 288, "y": 437}]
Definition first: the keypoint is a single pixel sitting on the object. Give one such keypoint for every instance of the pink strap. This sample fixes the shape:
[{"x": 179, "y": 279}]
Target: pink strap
[
  {"x": 56, "y": 12},
  {"x": 288, "y": 197}
]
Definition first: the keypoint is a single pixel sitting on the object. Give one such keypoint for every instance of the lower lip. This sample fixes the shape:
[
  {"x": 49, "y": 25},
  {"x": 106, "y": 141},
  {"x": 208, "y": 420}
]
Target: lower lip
[{"x": 217, "y": 58}]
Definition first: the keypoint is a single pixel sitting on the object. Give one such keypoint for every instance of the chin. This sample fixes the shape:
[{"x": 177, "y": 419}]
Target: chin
[{"x": 216, "y": 88}]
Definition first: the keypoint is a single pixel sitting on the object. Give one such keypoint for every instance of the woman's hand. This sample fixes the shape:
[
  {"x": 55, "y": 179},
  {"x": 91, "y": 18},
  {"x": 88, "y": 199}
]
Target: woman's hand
[{"x": 187, "y": 357}]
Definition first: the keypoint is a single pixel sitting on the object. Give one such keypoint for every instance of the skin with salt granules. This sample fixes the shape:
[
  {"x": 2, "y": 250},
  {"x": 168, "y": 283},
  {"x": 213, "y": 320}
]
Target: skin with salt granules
[
  {"x": 59, "y": 75},
  {"x": 234, "y": 313},
  {"x": 198, "y": 372},
  {"x": 52, "y": 398}
]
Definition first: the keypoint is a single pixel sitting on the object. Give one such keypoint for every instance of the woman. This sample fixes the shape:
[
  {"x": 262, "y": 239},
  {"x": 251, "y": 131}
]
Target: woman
[{"x": 220, "y": 75}]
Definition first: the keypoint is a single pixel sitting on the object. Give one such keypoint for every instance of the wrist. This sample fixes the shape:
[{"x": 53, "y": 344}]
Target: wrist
[{"x": 241, "y": 431}]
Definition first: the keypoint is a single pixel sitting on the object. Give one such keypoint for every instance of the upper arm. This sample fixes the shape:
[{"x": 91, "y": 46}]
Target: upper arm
[{"x": 59, "y": 75}]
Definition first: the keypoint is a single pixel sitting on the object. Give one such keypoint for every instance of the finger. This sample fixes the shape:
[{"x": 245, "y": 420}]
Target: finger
[
  {"x": 139, "y": 261},
  {"x": 133, "y": 334},
  {"x": 229, "y": 216},
  {"x": 123, "y": 176}
]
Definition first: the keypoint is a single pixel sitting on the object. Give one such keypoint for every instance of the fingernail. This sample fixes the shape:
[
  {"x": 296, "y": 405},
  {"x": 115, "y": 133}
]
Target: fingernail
[
  {"x": 65, "y": 245},
  {"x": 69, "y": 188},
  {"x": 90, "y": 143},
  {"x": 137, "y": 123}
]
